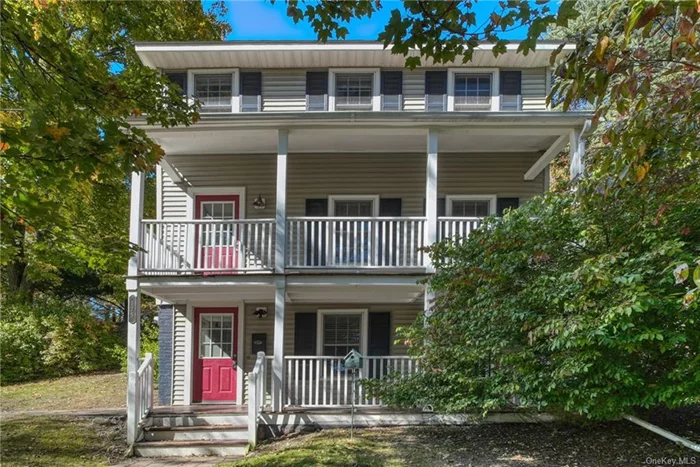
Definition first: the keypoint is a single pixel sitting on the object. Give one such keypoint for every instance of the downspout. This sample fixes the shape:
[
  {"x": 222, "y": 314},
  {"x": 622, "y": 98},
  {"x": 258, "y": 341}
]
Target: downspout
[{"x": 665, "y": 433}]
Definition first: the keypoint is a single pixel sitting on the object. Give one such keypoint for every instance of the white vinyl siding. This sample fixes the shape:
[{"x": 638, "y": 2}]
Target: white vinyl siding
[
  {"x": 534, "y": 89},
  {"x": 314, "y": 176},
  {"x": 179, "y": 365},
  {"x": 284, "y": 90},
  {"x": 414, "y": 90}
]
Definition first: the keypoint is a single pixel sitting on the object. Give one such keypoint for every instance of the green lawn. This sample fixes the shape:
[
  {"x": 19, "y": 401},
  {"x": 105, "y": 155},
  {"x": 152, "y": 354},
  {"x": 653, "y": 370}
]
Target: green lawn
[
  {"x": 101, "y": 390},
  {"x": 60, "y": 441}
]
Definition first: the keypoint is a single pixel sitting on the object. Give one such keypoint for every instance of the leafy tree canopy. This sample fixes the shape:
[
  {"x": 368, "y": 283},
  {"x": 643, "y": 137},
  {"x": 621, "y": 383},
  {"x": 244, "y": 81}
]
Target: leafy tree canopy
[{"x": 71, "y": 80}]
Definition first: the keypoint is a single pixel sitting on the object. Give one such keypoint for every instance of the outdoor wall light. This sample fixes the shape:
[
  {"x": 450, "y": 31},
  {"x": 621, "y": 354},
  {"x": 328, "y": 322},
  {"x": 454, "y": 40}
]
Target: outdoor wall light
[
  {"x": 259, "y": 202},
  {"x": 260, "y": 312}
]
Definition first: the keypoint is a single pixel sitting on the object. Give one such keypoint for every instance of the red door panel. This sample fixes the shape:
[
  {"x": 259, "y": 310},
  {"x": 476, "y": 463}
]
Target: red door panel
[{"x": 215, "y": 347}]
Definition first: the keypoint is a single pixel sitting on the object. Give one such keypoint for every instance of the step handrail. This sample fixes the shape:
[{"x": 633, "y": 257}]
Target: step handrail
[{"x": 256, "y": 397}]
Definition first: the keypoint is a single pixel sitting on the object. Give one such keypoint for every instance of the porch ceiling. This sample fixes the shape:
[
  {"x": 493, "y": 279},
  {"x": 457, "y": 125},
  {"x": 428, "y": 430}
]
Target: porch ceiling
[{"x": 337, "y": 289}]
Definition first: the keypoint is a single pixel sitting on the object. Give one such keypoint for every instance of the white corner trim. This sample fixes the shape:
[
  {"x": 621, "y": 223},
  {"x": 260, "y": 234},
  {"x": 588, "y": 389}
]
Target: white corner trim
[
  {"x": 376, "y": 85},
  {"x": 364, "y": 335},
  {"x": 333, "y": 198},
  {"x": 495, "y": 85},
  {"x": 159, "y": 192},
  {"x": 189, "y": 359},
  {"x": 235, "y": 84},
  {"x": 490, "y": 198}
]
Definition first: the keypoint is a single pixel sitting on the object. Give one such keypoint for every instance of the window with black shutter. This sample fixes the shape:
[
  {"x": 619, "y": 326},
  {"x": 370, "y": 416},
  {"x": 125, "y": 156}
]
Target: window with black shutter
[
  {"x": 511, "y": 89},
  {"x": 305, "y": 334},
  {"x": 506, "y": 203},
  {"x": 436, "y": 91},
  {"x": 317, "y": 90},
  {"x": 315, "y": 232},
  {"x": 178, "y": 78},
  {"x": 251, "y": 92},
  {"x": 389, "y": 207},
  {"x": 392, "y": 94}
]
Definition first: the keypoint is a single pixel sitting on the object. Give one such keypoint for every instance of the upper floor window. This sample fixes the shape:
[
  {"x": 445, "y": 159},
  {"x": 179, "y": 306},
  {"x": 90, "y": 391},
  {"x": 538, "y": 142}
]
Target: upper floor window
[
  {"x": 354, "y": 91},
  {"x": 214, "y": 92},
  {"x": 472, "y": 91},
  {"x": 179, "y": 79}
]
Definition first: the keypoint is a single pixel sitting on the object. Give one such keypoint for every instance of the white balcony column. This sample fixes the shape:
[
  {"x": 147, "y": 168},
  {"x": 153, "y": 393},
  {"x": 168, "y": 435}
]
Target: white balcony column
[
  {"x": 278, "y": 349},
  {"x": 134, "y": 304},
  {"x": 281, "y": 207},
  {"x": 431, "y": 194},
  {"x": 576, "y": 150}
]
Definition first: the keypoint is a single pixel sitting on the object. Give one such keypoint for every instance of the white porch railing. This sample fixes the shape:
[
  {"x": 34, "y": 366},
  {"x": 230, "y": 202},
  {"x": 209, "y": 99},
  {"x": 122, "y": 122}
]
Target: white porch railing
[
  {"x": 355, "y": 242},
  {"x": 207, "y": 246},
  {"x": 319, "y": 381},
  {"x": 459, "y": 227},
  {"x": 144, "y": 393},
  {"x": 257, "y": 382}
]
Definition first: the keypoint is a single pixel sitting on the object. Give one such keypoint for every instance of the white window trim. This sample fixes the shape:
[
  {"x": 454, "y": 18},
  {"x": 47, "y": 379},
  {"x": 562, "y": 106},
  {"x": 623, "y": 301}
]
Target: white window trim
[
  {"x": 235, "y": 85},
  {"x": 490, "y": 198},
  {"x": 376, "y": 85},
  {"x": 364, "y": 327},
  {"x": 495, "y": 85},
  {"x": 333, "y": 198}
]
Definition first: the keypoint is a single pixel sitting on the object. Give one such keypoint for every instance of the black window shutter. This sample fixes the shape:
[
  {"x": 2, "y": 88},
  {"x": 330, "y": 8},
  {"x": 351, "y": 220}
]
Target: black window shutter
[
  {"x": 436, "y": 90},
  {"x": 251, "y": 91},
  {"x": 316, "y": 90},
  {"x": 305, "y": 334},
  {"x": 392, "y": 90},
  {"x": 316, "y": 256},
  {"x": 441, "y": 207},
  {"x": 390, "y": 207},
  {"x": 511, "y": 83},
  {"x": 379, "y": 339},
  {"x": 506, "y": 203},
  {"x": 179, "y": 78}
]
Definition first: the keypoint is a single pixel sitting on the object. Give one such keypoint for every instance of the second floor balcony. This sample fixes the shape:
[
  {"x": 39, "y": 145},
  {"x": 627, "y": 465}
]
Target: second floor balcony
[{"x": 313, "y": 243}]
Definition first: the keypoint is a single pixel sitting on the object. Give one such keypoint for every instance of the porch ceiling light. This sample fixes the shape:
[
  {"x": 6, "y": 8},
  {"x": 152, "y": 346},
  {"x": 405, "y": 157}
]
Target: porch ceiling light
[{"x": 259, "y": 202}]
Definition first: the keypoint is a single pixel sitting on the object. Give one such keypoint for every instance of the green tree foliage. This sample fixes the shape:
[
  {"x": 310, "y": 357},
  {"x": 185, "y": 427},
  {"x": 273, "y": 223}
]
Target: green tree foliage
[
  {"x": 586, "y": 300},
  {"x": 71, "y": 81},
  {"x": 439, "y": 31}
]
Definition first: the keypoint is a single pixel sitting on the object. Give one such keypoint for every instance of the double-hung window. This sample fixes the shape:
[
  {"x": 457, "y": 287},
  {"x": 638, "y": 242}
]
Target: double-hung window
[
  {"x": 342, "y": 332},
  {"x": 214, "y": 92},
  {"x": 471, "y": 206},
  {"x": 351, "y": 241},
  {"x": 472, "y": 91},
  {"x": 354, "y": 91}
]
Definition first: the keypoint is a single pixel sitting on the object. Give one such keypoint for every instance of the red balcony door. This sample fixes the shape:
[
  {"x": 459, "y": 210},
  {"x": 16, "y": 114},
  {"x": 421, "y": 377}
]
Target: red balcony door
[
  {"x": 218, "y": 242},
  {"x": 215, "y": 344}
]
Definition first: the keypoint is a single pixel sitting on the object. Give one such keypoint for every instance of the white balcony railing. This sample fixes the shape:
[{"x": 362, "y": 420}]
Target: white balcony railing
[
  {"x": 457, "y": 227},
  {"x": 319, "y": 381},
  {"x": 355, "y": 242},
  {"x": 511, "y": 102},
  {"x": 207, "y": 246}
]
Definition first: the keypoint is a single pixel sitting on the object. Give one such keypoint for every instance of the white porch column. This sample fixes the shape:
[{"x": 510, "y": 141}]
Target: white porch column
[
  {"x": 430, "y": 208},
  {"x": 278, "y": 361},
  {"x": 281, "y": 196},
  {"x": 280, "y": 261},
  {"x": 430, "y": 231},
  {"x": 576, "y": 149},
  {"x": 134, "y": 304}
]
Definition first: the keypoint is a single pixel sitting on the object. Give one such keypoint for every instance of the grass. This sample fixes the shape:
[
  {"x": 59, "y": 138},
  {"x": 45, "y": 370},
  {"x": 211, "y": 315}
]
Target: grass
[
  {"x": 100, "y": 390},
  {"x": 547, "y": 444},
  {"x": 60, "y": 441}
]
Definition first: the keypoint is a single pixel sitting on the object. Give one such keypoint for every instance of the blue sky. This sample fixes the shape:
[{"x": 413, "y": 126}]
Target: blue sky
[{"x": 261, "y": 20}]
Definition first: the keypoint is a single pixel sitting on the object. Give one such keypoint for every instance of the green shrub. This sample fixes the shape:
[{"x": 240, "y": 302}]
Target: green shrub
[{"x": 52, "y": 338}]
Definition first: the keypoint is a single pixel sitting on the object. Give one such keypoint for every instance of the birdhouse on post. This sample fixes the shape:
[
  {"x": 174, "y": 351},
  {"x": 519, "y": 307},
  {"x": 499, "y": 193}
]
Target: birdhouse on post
[{"x": 353, "y": 360}]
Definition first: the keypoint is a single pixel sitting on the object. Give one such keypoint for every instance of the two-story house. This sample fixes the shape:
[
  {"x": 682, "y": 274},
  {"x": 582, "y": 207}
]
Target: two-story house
[{"x": 291, "y": 218}]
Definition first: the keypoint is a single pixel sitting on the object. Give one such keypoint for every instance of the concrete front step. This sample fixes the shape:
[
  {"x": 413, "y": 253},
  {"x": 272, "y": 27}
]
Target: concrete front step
[
  {"x": 190, "y": 448},
  {"x": 199, "y": 419},
  {"x": 196, "y": 433}
]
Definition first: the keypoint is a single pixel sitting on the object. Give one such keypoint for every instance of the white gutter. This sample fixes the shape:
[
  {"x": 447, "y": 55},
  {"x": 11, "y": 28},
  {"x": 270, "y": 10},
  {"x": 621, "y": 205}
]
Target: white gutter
[{"x": 665, "y": 433}]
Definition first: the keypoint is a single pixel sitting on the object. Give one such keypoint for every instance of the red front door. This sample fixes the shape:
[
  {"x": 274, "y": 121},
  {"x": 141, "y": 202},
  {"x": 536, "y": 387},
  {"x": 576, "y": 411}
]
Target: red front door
[
  {"x": 215, "y": 344},
  {"x": 218, "y": 239}
]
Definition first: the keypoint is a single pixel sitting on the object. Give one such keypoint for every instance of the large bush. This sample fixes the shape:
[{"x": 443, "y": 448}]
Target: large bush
[
  {"x": 55, "y": 338},
  {"x": 567, "y": 306}
]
